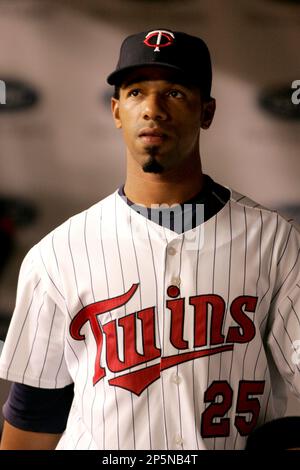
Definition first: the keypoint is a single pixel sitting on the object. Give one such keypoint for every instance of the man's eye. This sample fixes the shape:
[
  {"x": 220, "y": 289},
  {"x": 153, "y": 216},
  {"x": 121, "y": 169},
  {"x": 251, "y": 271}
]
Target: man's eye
[
  {"x": 134, "y": 92},
  {"x": 175, "y": 94}
]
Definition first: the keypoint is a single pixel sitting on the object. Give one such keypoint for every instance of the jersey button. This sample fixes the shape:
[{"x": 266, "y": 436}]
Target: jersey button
[
  {"x": 178, "y": 440},
  {"x": 171, "y": 250},
  {"x": 176, "y": 281},
  {"x": 176, "y": 379}
]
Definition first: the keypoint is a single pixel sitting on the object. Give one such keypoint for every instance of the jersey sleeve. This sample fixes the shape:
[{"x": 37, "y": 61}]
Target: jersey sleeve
[
  {"x": 33, "y": 352},
  {"x": 284, "y": 316}
]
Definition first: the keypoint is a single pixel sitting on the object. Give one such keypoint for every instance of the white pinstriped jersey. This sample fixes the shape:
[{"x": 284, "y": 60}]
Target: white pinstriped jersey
[{"x": 173, "y": 341}]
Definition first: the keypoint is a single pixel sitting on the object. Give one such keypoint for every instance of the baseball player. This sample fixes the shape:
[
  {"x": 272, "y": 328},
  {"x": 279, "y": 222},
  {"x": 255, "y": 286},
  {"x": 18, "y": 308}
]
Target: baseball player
[{"x": 172, "y": 306}]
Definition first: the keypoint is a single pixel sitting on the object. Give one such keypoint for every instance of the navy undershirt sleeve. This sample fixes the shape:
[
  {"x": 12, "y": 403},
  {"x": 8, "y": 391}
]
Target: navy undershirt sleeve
[{"x": 38, "y": 409}]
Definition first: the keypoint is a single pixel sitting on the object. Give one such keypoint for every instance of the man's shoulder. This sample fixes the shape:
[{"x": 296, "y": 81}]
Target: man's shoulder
[
  {"x": 77, "y": 222},
  {"x": 262, "y": 212},
  {"x": 239, "y": 199},
  {"x": 70, "y": 235}
]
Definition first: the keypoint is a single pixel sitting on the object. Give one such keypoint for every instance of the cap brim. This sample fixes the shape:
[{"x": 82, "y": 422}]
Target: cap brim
[{"x": 117, "y": 77}]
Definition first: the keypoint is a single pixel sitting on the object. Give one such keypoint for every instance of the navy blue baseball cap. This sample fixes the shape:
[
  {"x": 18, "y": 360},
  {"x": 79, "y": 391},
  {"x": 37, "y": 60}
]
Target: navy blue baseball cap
[{"x": 188, "y": 55}]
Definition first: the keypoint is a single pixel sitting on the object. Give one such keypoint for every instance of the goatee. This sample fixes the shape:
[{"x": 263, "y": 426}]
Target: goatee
[{"x": 152, "y": 165}]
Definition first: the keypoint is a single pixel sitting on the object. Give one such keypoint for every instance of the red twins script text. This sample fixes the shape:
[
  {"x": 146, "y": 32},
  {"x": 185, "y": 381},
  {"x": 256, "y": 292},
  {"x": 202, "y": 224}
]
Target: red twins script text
[{"x": 211, "y": 342}]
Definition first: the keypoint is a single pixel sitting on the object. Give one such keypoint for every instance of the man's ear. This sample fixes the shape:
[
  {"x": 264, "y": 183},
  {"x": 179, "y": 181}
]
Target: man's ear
[
  {"x": 115, "y": 109},
  {"x": 209, "y": 108}
]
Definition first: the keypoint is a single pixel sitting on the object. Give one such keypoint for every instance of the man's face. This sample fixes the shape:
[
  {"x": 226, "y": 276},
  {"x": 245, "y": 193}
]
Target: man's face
[{"x": 160, "y": 118}]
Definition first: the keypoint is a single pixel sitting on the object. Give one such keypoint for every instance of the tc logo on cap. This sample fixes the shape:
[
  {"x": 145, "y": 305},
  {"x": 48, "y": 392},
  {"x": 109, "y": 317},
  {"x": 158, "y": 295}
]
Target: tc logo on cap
[{"x": 163, "y": 39}]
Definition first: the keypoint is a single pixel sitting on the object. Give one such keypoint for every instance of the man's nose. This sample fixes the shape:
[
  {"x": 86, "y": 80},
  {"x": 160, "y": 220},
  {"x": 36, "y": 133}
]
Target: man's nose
[{"x": 154, "y": 108}]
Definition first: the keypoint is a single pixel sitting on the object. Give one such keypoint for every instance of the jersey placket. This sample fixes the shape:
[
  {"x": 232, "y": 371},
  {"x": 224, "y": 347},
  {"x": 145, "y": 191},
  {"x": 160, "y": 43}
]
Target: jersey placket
[{"x": 170, "y": 379}]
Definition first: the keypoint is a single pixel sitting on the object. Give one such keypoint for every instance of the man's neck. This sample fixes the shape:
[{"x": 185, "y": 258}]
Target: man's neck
[{"x": 148, "y": 189}]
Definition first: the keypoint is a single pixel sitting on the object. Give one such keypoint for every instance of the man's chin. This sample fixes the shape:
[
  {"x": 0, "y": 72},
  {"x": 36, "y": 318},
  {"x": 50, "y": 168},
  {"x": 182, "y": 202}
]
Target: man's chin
[{"x": 152, "y": 165}]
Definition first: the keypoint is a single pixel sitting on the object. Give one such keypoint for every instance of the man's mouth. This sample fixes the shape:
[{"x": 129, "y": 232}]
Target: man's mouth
[{"x": 152, "y": 135}]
